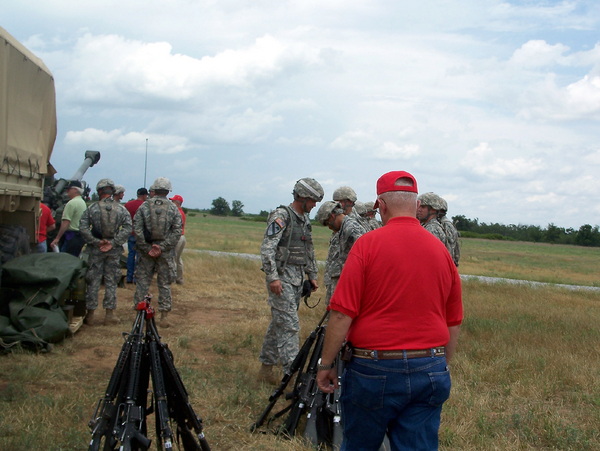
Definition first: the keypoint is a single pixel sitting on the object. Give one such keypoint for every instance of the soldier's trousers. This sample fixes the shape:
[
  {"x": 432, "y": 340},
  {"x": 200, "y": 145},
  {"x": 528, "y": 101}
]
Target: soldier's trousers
[
  {"x": 281, "y": 342},
  {"x": 165, "y": 275},
  {"x": 105, "y": 265}
]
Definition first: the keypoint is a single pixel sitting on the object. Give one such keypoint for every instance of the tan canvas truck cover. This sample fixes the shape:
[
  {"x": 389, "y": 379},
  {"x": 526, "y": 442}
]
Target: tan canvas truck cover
[{"x": 27, "y": 131}]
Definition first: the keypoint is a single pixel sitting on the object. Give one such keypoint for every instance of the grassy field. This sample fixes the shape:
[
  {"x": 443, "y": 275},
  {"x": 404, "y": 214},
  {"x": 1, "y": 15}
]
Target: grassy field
[{"x": 524, "y": 376}]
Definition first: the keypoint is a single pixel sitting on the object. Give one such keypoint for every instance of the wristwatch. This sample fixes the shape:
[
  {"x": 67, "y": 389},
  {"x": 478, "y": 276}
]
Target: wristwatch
[{"x": 321, "y": 367}]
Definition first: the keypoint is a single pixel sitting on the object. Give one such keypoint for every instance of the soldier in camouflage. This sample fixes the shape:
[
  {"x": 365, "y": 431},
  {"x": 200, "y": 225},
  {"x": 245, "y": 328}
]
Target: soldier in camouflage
[
  {"x": 427, "y": 211},
  {"x": 119, "y": 193},
  {"x": 347, "y": 230},
  {"x": 287, "y": 254},
  {"x": 371, "y": 211},
  {"x": 105, "y": 227},
  {"x": 157, "y": 226},
  {"x": 346, "y": 196},
  {"x": 452, "y": 234}
]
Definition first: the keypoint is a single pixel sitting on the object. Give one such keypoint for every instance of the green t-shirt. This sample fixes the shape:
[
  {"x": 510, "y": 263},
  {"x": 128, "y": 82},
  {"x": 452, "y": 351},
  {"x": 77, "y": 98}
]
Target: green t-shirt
[{"x": 73, "y": 211}]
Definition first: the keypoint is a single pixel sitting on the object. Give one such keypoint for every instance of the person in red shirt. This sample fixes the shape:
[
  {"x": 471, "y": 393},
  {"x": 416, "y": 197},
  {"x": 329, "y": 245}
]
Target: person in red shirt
[
  {"x": 399, "y": 304},
  {"x": 47, "y": 224},
  {"x": 178, "y": 200},
  {"x": 132, "y": 255}
]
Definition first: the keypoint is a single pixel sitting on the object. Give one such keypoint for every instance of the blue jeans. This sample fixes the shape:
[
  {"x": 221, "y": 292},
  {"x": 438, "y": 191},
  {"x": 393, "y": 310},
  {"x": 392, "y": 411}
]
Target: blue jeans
[
  {"x": 132, "y": 257},
  {"x": 403, "y": 397}
]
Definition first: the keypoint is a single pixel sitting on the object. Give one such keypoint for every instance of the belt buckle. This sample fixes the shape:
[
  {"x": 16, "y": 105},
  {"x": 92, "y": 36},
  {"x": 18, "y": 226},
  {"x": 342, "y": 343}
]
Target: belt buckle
[{"x": 373, "y": 355}]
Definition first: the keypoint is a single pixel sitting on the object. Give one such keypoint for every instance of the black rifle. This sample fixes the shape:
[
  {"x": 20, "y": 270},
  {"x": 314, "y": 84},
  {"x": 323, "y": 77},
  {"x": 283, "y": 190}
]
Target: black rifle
[
  {"x": 296, "y": 367},
  {"x": 103, "y": 419},
  {"x": 333, "y": 406}
]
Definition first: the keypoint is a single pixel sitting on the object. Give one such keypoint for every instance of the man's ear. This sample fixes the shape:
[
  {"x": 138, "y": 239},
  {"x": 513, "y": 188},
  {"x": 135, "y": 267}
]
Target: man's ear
[{"x": 418, "y": 203}]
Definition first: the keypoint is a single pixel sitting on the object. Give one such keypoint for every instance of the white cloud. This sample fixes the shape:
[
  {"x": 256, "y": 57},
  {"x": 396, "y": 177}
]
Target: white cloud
[
  {"x": 481, "y": 161},
  {"x": 391, "y": 151},
  {"x": 538, "y": 53},
  {"x": 355, "y": 140},
  {"x": 593, "y": 158},
  {"x": 132, "y": 141}
]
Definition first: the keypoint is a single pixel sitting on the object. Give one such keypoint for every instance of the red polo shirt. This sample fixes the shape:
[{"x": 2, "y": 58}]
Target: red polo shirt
[{"x": 401, "y": 288}]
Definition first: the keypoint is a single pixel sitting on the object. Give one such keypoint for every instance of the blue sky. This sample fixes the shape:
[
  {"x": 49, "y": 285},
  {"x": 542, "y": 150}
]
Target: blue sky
[{"x": 493, "y": 105}]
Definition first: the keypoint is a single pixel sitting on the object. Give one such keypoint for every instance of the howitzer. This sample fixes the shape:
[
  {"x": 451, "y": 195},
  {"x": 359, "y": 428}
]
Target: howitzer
[{"x": 296, "y": 367}]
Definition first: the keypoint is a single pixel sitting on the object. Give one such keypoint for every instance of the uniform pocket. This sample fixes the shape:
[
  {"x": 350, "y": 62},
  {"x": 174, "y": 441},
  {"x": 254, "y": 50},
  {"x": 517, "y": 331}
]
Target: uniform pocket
[{"x": 364, "y": 390}]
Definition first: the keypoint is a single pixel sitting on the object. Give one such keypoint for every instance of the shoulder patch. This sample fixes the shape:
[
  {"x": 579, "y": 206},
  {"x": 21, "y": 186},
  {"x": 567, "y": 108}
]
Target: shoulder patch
[{"x": 275, "y": 227}]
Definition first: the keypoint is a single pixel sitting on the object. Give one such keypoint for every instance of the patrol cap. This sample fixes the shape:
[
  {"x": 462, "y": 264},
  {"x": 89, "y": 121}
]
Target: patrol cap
[
  {"x": 326, "y": 209},
  {"x": 177, "y": 197},
  {"x": 161, "y": 183},
  {"x": 344, "y": 193},
  {"x": 74, "y": 184},
  {"x": 104, "y": 183},
  {"x": 387, "y": 182}
]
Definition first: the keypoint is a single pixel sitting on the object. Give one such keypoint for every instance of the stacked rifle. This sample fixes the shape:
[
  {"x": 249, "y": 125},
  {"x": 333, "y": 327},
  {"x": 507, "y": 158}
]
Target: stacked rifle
[
  {"x": 120, "y": 417},
  {"x": 322, "y": 410}
]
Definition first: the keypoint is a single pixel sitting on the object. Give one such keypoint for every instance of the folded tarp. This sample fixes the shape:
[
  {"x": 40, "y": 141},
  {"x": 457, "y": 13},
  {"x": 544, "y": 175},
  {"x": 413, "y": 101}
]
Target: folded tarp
[{"x": 32, "y": 285}]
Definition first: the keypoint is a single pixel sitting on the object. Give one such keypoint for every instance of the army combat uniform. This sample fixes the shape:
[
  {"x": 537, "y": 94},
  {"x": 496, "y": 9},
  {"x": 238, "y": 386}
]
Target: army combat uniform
[
  {"x": 287, "y": 254},
  {"x": 105, "y": 219},
  {"x": 333, "y": 255},
  {"x": 157, "y": 221},
  {"x": 350, "y": 231},
  {"x": 452, "y": 243},
  {"x": 436, "y": 228}
]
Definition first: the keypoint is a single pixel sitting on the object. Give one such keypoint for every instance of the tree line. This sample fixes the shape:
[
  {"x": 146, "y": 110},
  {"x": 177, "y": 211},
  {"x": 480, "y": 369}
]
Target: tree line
[{"x": 472, "y": 228}]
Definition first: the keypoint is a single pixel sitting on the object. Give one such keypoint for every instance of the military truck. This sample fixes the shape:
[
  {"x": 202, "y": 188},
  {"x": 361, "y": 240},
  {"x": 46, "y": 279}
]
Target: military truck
[{"x": 27, "y": 135}]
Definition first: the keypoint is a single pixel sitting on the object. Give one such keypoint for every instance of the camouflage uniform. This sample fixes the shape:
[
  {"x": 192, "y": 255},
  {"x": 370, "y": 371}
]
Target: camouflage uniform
[
  {"x": 350, "y": 231},
  {"x": 436, "y": 228},
  {"x": 104, "y": 264},
  {"x": 333, "y": 256},
  {"x": 282, "y": 336},
  {"x": 166, "y": 235},
  {"x": 452, "y": 235}
]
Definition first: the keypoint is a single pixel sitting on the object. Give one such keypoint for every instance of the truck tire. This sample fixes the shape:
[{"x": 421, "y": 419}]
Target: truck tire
[{"x": 14, "y": 242}]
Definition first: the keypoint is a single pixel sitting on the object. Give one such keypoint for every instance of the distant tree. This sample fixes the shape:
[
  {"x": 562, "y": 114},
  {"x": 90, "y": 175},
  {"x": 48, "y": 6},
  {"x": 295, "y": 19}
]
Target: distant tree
[
  {"x": 588, "y": 236},
  {"x": 95, "y": 197},
  {"x": 465, "y": 224},
  {"x": 236, "y": 208},
  {"x": 220, "y": 207},
  {"x": 552, "y": 234},
  {"x": 264, "y": 213}
]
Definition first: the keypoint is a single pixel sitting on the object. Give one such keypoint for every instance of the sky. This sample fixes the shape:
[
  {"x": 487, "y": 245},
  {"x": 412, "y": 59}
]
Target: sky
[{"x": 494, "y": 105}]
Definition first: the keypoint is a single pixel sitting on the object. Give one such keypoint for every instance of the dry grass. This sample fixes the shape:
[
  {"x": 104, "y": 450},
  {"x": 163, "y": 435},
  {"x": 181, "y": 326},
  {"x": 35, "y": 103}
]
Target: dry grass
[{"x": 525, "y": 374}]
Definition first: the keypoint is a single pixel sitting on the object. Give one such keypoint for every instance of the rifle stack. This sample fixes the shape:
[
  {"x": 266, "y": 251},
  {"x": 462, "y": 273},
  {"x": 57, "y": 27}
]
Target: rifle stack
[
  {"x": 120, "y": 417},
  {"x": 322, "y": 410}
]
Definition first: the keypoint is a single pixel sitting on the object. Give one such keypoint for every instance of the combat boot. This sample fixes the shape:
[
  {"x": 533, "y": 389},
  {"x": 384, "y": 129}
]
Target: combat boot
[
  {"x": 89, "y": 318},
  {"x": 164, "y": 321},
  {"x": 265, "y": 374},
  {"x": 110, "y": 318}
]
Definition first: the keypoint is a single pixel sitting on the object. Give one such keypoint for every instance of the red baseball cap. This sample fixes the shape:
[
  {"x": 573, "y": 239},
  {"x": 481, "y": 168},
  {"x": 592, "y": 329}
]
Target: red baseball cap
[
  {"x": 177, "y": 197},
  {"x": 387, "y": 183}
]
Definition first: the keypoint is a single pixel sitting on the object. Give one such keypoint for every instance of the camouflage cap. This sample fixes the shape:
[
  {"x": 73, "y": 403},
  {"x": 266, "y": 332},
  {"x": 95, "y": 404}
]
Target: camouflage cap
[
  {"x": 370, "y": 206},
  {"x": 162, "y": 183},
  {"x": 325, "y": 211},
  {"x": 104, "y": 183},
  {"x": 431, "y": 200},
  {"x": 344, "y": 193},
  {"x": 360, "y": 208},
  {"x": 310, "y": 188},
  {"x": 119, "y": 189}
]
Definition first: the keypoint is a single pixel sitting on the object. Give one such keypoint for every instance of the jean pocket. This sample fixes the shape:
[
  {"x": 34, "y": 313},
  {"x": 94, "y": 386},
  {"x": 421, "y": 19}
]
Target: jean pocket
[
  {"x": 440, "y": 387},
  {"x": 364, "y": 390}
]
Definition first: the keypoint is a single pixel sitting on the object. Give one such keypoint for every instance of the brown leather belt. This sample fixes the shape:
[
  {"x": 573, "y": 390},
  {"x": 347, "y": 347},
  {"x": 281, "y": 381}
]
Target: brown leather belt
[{"x": 399, "y": 354}]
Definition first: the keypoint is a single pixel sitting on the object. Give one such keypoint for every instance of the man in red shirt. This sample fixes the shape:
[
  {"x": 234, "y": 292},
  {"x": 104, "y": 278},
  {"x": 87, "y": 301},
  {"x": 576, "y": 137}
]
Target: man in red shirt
[
  {"x": 47, "y": 224},
  {"x": 399, "y": 304},
  {"x": 178, "y": 200},
  {"x": 132, "y": 255}
]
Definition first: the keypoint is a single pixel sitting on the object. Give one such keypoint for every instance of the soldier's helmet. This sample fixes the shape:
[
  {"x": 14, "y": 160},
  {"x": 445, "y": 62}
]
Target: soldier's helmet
[
  {"x": 119, "y": 189},
  {"x": 310, "y": 188},
  {"x": 360, "y": 208},
  {"x": 162, "y": 183},
  {"x": 325, "y": 210},
  {"x": 431, "y": 200},
  {"x": 344, "y": 193},
  {"x": 369, "y": 206},
  {"x": 443, "y": 205},
  {"x": 105, "y": 183}
]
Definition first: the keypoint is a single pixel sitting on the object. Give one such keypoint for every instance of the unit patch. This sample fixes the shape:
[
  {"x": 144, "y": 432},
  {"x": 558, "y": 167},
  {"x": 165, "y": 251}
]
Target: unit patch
[{"x": 275, "y": 227}]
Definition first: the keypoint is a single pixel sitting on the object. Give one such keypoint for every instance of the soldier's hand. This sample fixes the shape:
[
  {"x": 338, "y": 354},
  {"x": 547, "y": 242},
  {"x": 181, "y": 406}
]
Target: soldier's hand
[
  {"x": 155, "y": 251},
  {"x": 105, "y": 246},
  {"x": 276, "y": 287},
  {"x": 314, "y": 284}
]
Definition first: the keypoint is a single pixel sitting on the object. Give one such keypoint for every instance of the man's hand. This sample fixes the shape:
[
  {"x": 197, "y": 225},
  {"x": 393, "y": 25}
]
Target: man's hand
[
  {"x": 105, "y": 246},
  {"x": 325, "y": 379},
  {"x": 276, "y": 287},
  {"x": 54, "y": 243},
  {"x": 314, "y": 284},
  {"x": 155, "y": 251}
]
